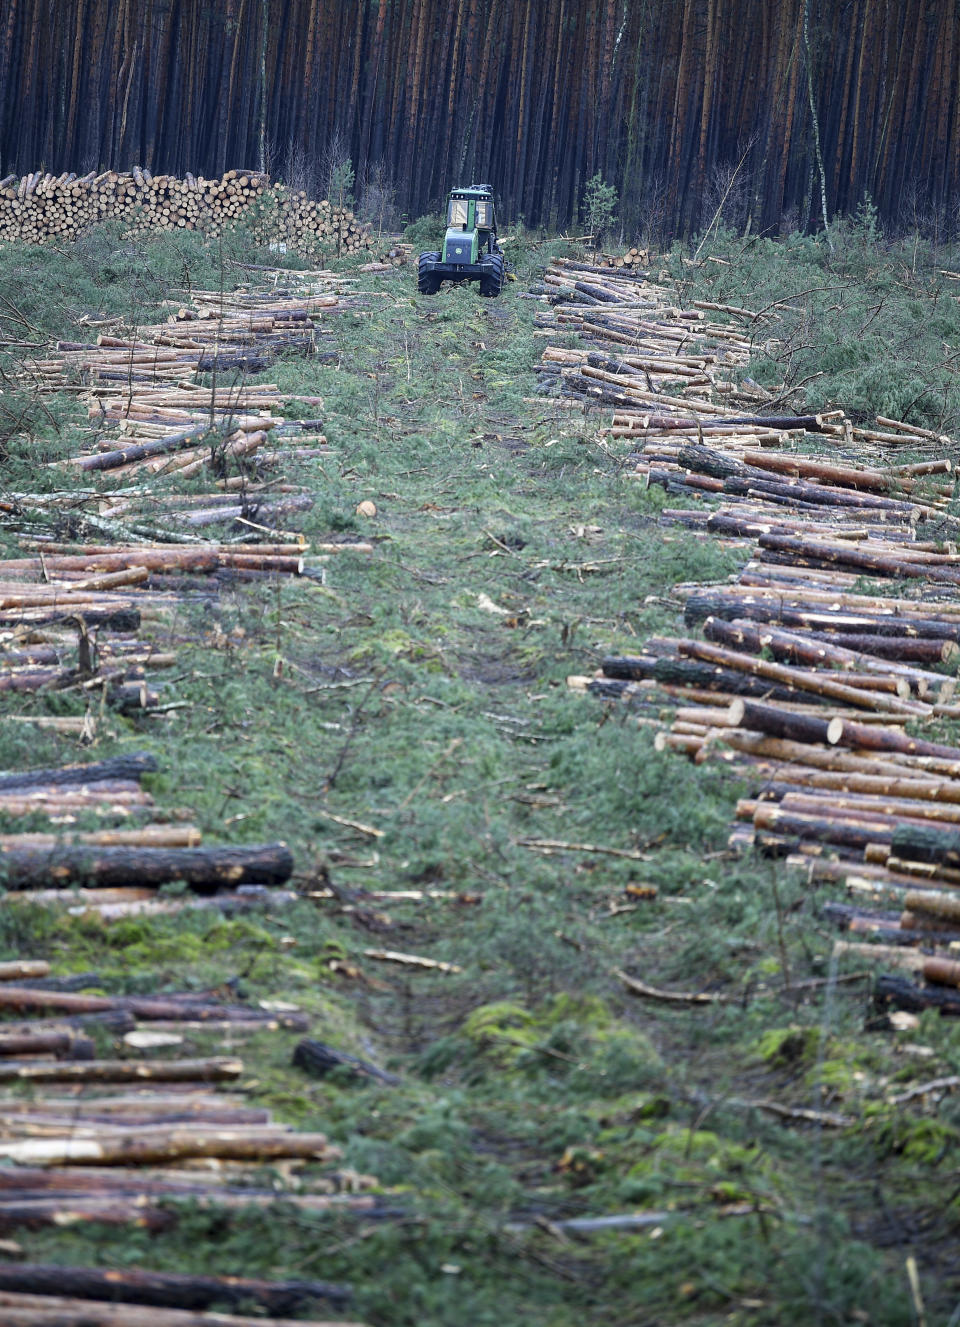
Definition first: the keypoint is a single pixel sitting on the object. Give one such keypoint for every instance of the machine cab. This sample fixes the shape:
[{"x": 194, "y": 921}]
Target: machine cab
[{"x": 471, "y": 224}]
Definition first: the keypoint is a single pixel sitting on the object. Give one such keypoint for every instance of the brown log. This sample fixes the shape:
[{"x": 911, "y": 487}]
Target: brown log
[
  {"x": 893, "y": 741},
  {"x": 903, "y": 649},
  {"x": 800, "y": 678},
  {"x": 818, "y": 649},
  {"x": 845, "y": 830},
  {"x": 167, "y": 1289},
  {"x": 76, "y": 555},
  {"x": 24, "y": 969},
  {"x": 147, "y": 836},
  {"x": 833, "y": 759},
  {"x": 23, "y": 1310},
  {"x": 904, "y": 809},
  {"x": 197, "y": 558},
  {"x": 945, "y": 906},
  {"x": 212, "y": 1070},
  {"x": 913, "y": 791},
  {"x": 128, "y": 767},
  {"x": 61, "y": 1044},
  {"x": 204, "y": 869},
  {"x": 941, "y": 971},
  {"x": 922, "y": 921},
  {"x": 157, "y": 1008},
  {"x": 798, "y": 491},
  {"x": 850, "y": 555},
  {"x": 138, "y": 1146},
  {"x": 784, "y": 724},
  {"x": 928, "y": 872},
  {"x": 809, "y": 467}
]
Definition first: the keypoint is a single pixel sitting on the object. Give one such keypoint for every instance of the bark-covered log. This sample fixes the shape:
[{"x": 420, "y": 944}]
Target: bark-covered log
[
  {"x": 168, "y": 1289},
  {"x": 921, "y": 843},
  {"x": 941, "y": 905},
  {"x": 120, "y": 1010},
  {"x": 317, "y": 1059},
  {"x": 142, "y": 450},
  {"x": 871, "y": 737},
  {"x": 784, "y": 611},
  {"x": 142, "y": 1147},
  {"x": 786, "y": 724},
  {"x": 804, "y": 679},
  {"x": 708, "y": 461},
  {"x": 204, "y": 869},
  {"x": 941, "y": 971},
  {"x": 38, "y": 1213},
  {"x": 23, "y": 1310},
  {"x": 216, "y": 1069},
  {"x": 130, "y": 766},
  {"x": 847, "y": 554},
  {"x": 693, "y": 673},
  {"x": 847, "y": 833},
  {"x": 891, "y": 992},
  {"x": 24, "y": 970},
  {"x": 61, "y": 1044},
  {"x": 109, "y": 619}
]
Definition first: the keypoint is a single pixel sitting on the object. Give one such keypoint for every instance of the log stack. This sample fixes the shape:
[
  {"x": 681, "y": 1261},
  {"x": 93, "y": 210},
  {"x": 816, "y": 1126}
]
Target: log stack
[
  {"x": 70, "y": 614},
  {"x": 828, "y": 699},
  {"x": 117, "y": 1138},
  {"x": 40, "y": 207},
  {"x": 118, "y": 869}
]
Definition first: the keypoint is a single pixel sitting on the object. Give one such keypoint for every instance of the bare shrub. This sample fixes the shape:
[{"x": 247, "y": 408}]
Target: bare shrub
[{"x": 377, "y": 198}]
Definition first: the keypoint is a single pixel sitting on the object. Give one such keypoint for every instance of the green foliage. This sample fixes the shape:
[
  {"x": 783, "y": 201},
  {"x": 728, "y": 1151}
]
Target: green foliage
[
  {"x": 340, "y": 184},
  {"x": 871, "y": 325},
  {"x": 598, "y": 208}
]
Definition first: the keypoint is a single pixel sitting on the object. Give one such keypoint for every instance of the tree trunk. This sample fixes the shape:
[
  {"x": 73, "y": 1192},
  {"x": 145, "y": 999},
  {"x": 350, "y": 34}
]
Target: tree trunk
[
  {"x": 204, "y": 869},
  {"x": 168, "y": 1289}
]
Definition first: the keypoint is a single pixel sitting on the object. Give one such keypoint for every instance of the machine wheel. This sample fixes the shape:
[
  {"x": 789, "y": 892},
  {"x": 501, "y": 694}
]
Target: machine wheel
[
  {"x": 491, "y": 282},
  {"x": 428, "y": 283}
]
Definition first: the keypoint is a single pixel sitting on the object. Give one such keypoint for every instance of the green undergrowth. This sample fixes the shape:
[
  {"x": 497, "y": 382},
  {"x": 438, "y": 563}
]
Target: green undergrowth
[
  {"x": 403, "y": 720},
  {"x": 866, "y": 324}
]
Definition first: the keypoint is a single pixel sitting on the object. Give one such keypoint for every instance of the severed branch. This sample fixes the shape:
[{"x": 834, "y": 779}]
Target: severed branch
[
  {"x": 411, "y": 960},
  {"x": 549, "y": 846},
  {"x": 641, "y": 988}
]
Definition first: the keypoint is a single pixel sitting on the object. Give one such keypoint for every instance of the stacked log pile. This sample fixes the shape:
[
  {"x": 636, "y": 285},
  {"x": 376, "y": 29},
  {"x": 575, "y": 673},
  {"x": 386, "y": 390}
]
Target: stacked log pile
[
  {"x": 826, "y": 699},
  {"x": 118, "y": 868},
  {"x": 93, "y": 1297},
  {"x": 116, "y": 1137},
  {"x": 125, "y": 1140},
  {"x": 637, "y": 351},
  {"x": 99, "y": 621},
  {"x": 394, "y": 254},
  {"x": 71, "y": 613},
  {"x": 39, "y": 207},
  {"x": 153, "y": 413}
]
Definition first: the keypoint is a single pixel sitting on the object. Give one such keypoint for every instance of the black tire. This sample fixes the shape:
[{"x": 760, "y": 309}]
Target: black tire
[
  {"x": 428, "y": 283},
  {"x": 491, "y": 282}
]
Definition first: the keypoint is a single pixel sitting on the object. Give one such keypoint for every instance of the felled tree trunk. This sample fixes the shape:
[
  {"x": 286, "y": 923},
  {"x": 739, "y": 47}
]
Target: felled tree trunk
[
  {"x": 167, "y": 1289},
  {"x": 204, "y": 869}
]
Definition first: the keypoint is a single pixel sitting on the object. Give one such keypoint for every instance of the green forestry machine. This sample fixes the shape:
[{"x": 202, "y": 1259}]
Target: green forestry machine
[{"x": 470, "y": 249}]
